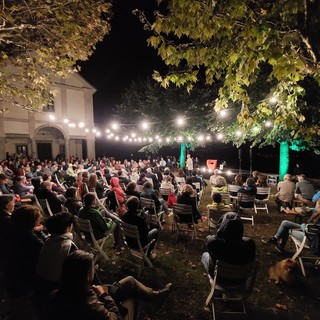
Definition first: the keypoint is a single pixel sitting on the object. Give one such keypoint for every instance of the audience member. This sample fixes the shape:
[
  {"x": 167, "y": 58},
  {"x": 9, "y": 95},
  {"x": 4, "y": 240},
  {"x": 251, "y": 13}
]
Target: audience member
[
  {"x": 100, "y": 226},
  {"x": 228, "y": 245},
  {"x": 78, "y": 299},
  {"x": 304, "y": 189},
  {"x": 131, "y": 190},
  {"x": 23, "y": 248},
  {"x": 57, "y": 247},
  {"x": 149, "y": 193},
  {"x": 72, "y": 203},
  {"x": 114, "y": 186},
  {"x": 147, "y": 233},
  {"x": 216, "y": 179},
  {"x": 285, "y": 193},
  {"x": 218, "y": 204},
  {"x": 186, "y": 198}
]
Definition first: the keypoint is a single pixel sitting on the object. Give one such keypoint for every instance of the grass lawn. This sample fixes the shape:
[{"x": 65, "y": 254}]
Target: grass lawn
[{"x": 179, "y": 262}]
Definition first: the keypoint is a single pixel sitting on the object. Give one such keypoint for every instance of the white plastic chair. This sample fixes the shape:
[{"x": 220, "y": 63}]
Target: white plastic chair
[
  {"x": 233, "y": 192},
  {"x": 261, "y": 199},
  {"x": 312, "y": 231}
]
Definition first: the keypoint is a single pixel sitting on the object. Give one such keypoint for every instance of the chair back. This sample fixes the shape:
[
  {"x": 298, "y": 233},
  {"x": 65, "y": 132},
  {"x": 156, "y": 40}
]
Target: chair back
[
  {"x": 148, "y": 204},
  {"x": 263, "y": 194},
  {"x": 246, "y": 200},
  {"x": 180, "y": 180},
  {"x": 182, "y": 210},
  {"x": 131, "y": 231},
  {"x": 165, "y": 191},
  {"x": 233, "y": 191},
  {"x": 44, "y": 204},
  {"x": 197, "y": 185}
]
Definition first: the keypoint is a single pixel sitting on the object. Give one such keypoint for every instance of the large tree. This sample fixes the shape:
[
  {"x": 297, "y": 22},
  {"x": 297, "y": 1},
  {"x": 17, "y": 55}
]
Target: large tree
[
  {"x": 44, "y": 39},
  {"x": 239, "y": 43},
  {"x": 161, "y": 108}
]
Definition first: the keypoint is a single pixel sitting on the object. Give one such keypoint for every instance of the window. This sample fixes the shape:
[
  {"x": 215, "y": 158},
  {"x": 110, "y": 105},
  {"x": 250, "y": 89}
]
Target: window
[
  {"x": 50, "y": 106},
  {"x": 22, "y": 149}
]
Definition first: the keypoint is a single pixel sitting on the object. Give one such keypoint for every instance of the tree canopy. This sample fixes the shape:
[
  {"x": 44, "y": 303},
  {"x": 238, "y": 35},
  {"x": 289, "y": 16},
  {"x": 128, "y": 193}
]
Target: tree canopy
[
  {"x": 44, "y": 39},
  {"x": 160, "y": 108},
  {"x": 255, "y": 51}
]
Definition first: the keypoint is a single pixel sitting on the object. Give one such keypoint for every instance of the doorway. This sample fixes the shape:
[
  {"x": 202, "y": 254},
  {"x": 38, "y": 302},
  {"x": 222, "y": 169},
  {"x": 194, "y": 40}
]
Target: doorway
[{"x": 44, "y": 151}]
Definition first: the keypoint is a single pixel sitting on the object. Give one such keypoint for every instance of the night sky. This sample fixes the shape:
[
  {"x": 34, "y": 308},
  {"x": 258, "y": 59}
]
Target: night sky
[{"x": 122, "y": 57}]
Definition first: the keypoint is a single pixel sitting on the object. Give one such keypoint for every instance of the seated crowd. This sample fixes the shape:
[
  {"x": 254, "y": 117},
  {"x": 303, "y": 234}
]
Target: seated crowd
[{"x": 40, "y": 259}]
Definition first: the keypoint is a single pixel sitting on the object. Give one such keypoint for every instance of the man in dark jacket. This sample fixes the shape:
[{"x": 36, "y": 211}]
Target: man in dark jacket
[
  {"x": 228, "y": 245},
  {"x": 146, "y": 234}
]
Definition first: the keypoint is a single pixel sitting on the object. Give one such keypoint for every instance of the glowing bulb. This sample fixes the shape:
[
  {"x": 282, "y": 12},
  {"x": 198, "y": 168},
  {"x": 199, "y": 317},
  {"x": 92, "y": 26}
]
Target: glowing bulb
[
  {"x": 94, "y": 130},
  {"x": 238, "y": 133},
  {"x": 86, "y": 130},
  {"x": 72, "y": 125},
  {"x": 219, "y": 136},
  {"x": 180, "y": 121},
  {"x": 168, "y": 139},
  {"x": 107, "y": 130},
  {"x": 98, "y": 133},
  {"x": 180, "y": 139},
  {"x": 66, "y": 120},
  {"x": 81, "y": 124},
  {"x": 145, "y": 125},
  {"x": 208, "y": 138},
  {"x": 114, "y": 126},
  {"x": 116, "y": 138},
  {"x": 200, "y": 138},
  {"x": 273, "y": 100},
  {"x": 52, "y": 117},
  {"x": 223, "y": 113},
  {"x": 268, "y": 124},
  {"x": 133, "y": 135},
  {"x": 150, "y": 139}
]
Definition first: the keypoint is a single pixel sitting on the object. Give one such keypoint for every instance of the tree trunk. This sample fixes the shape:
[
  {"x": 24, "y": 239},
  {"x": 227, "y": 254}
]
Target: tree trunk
[
  {"x": 284, "y": 159},
  {"x": 183, "y": 152}
]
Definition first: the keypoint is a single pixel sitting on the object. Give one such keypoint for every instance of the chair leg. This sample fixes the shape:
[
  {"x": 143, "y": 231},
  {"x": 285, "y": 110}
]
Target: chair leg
[{"x": 302, "y": 267}]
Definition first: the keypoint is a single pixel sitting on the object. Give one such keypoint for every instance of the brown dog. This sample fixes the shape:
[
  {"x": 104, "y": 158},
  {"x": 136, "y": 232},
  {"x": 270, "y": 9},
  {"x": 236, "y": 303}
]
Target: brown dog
[{"x": 284, "y": 271}]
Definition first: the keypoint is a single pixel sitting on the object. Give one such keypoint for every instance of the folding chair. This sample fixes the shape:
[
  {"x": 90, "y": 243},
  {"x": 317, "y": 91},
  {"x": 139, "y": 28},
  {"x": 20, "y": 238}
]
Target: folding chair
[
  {"x": 183, "y": 219},
  {"x": 261, "y": 199},
  {"x": 213, "y": 217},
  {"x": 231, "y": 283},
  {"x": 45, "y": 207},
  {"x": 131, "y": 231},
  {"x": 62, "y": 184},
  {"x": 311, "y": 235},
  {"x": 84, "y": 230},
  {"x": 246, "y": 201},
  {"x": 149, "y": 207},
  {"x": 233, "y": 192}
]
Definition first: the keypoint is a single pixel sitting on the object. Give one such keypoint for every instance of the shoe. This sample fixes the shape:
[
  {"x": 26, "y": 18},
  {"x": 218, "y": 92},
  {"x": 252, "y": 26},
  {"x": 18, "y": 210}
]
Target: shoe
[
  {"x": 162, "y": 295},
  {"x": 166, "y": 289},
  {"x": 272, "y": 240}
]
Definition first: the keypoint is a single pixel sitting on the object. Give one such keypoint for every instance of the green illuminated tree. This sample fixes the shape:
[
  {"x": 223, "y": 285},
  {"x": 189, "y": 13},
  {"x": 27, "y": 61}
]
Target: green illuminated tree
[
  {"x": 148, "y": 101},
  {"x": 44, "y": 39}
]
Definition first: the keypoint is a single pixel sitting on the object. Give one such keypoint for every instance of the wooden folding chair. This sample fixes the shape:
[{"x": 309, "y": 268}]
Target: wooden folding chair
[
  {"x": 84, "y": 230},
  {"x": 131, "y": 231},
  {"x": 231, "y": 283},
  {"x": 183, "y": 219}
]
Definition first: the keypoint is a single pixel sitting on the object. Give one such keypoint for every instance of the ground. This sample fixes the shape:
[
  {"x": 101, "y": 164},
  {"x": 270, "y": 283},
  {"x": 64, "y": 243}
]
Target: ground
[{"x": 179, "y": 262}]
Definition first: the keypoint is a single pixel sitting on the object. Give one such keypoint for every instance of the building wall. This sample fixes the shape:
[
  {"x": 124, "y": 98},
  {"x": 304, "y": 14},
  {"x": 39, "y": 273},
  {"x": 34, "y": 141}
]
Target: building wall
[{"x": 73, "y": 100}]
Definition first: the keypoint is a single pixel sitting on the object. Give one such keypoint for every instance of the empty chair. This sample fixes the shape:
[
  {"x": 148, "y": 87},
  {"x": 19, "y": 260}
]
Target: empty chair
[
  {"x": 231, "y": 283},
  {"x": 261, "y": 199},
  {"x": 183, "y": 219}
]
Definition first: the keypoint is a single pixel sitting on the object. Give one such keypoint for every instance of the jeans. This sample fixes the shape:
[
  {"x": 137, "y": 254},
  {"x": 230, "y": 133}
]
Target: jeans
[
  {"x": 132, "y": 288},
  {"x": 287, "y": 227}
]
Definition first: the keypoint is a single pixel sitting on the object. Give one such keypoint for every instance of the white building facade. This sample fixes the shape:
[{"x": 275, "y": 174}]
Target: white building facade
[{"x": 63, "y": 128}]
